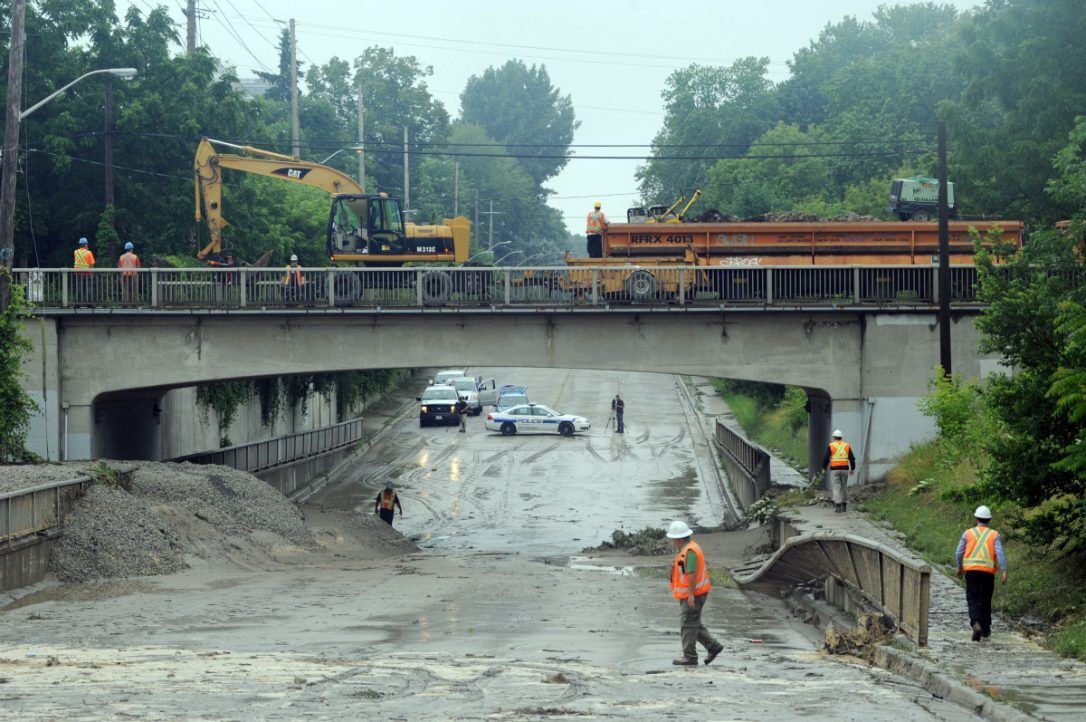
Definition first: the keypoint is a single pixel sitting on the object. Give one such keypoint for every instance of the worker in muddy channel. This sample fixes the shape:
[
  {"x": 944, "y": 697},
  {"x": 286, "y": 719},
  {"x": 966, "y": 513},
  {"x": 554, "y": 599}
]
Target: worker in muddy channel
[
  {"x": 462, "y": 412},
  {"x": 690, "y": 585},
  {"x": 387, "y": 502},
  {"x": 980, "y": 557}
]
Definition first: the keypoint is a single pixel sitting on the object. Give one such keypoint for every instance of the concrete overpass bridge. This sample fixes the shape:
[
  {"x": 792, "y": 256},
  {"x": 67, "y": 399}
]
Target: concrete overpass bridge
[{"x": 861, "y": 342}]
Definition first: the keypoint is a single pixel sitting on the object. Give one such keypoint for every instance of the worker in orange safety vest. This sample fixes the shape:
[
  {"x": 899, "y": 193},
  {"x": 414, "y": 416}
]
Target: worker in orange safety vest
[
  {"x": 293, "y": 281},
  {"x": 595, "y": 225},
  {"x": 690, "y": 585},
  {"x": 842, "y": 465},
  {"x": 980, "y": 556},
  {"x": 128, "y": 263},
  {"x": 386, "y": 503},
  {"x": 84, "y": 281}
]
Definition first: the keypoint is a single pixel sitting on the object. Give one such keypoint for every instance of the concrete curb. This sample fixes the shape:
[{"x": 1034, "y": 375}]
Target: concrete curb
[
  {"x": 723, "y": 482},
  {"x": 938, "y": 683}
]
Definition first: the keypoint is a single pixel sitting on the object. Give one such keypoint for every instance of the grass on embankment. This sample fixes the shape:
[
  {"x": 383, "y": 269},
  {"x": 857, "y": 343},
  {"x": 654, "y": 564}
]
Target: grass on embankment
[
  {"x": 1037, "y": 586},
  {"x": 781, "y": 427}
]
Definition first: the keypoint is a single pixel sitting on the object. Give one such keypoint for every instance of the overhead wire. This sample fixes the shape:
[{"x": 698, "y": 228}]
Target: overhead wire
[{"x": 228, "y": 26}]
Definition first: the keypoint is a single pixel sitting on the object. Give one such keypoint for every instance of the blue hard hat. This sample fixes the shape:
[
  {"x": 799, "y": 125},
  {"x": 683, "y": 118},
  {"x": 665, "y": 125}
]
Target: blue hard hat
[
  {"x": 82, "y": 241},
  {"x": 128, "y": 246}
]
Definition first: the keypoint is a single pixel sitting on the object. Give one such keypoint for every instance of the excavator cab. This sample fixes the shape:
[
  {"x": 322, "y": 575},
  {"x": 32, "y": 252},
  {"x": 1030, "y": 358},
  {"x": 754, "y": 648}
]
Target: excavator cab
[{"x": 368, "y": 225}]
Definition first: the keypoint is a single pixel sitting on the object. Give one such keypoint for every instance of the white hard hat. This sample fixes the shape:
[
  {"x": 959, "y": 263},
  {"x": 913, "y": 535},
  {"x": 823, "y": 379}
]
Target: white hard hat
[
  {"x": 837, "y": 434},
  {"x": 679, "y": 530},
  {"x": 983, "y": 512},
  {"x": 293, "y": 257}
]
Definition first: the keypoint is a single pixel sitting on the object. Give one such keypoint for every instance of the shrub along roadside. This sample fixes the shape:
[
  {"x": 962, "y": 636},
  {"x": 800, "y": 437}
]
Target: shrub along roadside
[
  {"x": 920, "y": 501},
  {"x": 774, "y": 416}
]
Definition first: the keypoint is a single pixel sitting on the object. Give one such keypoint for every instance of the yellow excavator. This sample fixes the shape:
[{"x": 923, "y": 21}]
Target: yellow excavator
[{"x": 364, "y": 228}]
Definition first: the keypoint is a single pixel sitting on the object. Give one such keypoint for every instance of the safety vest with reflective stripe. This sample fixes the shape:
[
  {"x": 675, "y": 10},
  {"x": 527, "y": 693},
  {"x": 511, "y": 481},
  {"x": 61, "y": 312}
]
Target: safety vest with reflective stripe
[
  {"x": 839, "y": 454},
  {"x": 84, "y": 259},
  {"x": 595, "y": 224},
  {"x": 298, "y": 279},
  {"x": 128, "y": 261},
  {"x": 680, "y": 575},
  {"x": 388, "y": 499},
  {"x": 980, "y": 554}
]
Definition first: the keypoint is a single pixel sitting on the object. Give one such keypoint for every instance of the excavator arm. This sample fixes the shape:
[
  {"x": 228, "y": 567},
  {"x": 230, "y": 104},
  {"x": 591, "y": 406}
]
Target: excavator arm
[{"x": 209, "y": 165}]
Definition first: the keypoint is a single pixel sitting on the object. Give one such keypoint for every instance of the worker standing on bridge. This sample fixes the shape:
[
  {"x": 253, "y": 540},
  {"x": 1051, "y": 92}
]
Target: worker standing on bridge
[
  {"x": 83, "y": 264},
  {"x": 594, "y": 228},
  {"x": 842, "y": 465},
  {"x": 293, "y": 281},
  {"x": 690, "y": 585},
  {"x": 128, "y": 263},
  {"x": 979, "y": 556},
  {"x": 386, "y": 502}
]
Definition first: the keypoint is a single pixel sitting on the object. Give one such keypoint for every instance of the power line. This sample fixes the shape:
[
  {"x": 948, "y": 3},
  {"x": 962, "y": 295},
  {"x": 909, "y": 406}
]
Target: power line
[
  {"x": 228, "y": 26},
  {"x": 187, "y": 179}
]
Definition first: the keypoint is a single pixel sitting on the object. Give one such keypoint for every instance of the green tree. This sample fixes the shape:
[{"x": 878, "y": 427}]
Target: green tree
[
  {"x": 518, "y": 107},
  {"x": 16, "y": 404}
]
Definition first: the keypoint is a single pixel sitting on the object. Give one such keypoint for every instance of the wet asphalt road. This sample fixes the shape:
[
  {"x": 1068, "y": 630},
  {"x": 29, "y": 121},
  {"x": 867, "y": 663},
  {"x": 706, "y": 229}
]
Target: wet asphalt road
[
  {"x": 545, "y": 494},
  {"x": 498, "y": 617}
]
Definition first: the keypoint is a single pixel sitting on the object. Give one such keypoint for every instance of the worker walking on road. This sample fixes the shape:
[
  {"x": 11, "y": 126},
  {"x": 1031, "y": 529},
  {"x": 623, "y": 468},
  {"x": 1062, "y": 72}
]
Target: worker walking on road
[
  {"x": 690, "y": 585},
  {"x": 842, "y": 465},
  {"x": 594, "y": 228},
  {"x": 618, "y": 408},
  {"x": 979, "y": 556},
  {"x": 83, "y": 264},
  {"x": 386, "y": 502},
  {"x": 128, "y": 263}
]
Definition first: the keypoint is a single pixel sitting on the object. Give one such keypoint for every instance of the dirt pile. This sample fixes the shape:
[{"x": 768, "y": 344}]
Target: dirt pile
[
  {"x": 647, "y": 542},
  {"x": 166, "y": 517},
  {"x": 871, "y": 629}
]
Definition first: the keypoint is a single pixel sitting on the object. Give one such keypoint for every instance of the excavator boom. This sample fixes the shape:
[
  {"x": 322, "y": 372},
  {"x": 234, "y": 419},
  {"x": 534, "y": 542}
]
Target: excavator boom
[{"x": 209, "y": 165}]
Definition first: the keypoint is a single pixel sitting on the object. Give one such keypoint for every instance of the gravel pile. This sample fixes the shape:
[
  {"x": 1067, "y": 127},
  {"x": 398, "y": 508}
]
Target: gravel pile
[
  {"x": 111, "y": 533},
  {"x": 232, "y": 501},
  {"x": 22, "y": 476},
  {"x": 379, "y": 538},
  {"x": 166, "y": 514}
]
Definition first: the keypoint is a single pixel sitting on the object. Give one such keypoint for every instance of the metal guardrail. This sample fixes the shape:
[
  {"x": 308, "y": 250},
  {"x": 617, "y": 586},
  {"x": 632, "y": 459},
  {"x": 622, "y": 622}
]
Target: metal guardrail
[
  {"x": 499, "y": 287},
  {"x": 747, "y": 465},
  {"x": 897, "y": 585},
  {"x": 262, "y": 455},
  {"x": 37, "y": 508}
]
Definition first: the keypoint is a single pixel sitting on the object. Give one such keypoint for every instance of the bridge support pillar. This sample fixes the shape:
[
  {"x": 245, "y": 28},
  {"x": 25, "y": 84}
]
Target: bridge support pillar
[{"x": 819, "y": 428}]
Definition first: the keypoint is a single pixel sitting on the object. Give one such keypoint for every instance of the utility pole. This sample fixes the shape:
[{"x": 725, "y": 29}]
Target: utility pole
[
  {"x": 406, "y": 174},
  {"x": 107, "y": 159},
  {"x": 456, "y": 188},
  {"x": 361, "y": 140},
  {"x": 294, "y": 92},
  {"x": 190, "y": 38},
  {"x": 11, "y": 148},
  {"x": 944, "y": 257}
]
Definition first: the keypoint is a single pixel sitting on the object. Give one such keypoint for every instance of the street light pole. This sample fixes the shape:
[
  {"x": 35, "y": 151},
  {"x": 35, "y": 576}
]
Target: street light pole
[{"x": 13, "y": 117}]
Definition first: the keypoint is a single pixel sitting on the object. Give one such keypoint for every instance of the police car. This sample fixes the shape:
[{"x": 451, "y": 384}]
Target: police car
[{"x": 535, "y": 418}]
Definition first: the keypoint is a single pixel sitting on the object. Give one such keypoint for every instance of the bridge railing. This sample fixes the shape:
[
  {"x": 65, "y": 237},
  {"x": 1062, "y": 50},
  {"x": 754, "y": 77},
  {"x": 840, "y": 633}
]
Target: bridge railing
[
  {"x": 575, "y": 287},
  {"x": 747, "y": 465},
  {"x": 261, "y": 455}
]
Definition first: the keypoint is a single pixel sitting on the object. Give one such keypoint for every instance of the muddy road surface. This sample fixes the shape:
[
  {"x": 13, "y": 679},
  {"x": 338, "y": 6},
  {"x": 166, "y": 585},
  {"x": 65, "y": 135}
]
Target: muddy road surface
[{"x": 498, "y": 615}]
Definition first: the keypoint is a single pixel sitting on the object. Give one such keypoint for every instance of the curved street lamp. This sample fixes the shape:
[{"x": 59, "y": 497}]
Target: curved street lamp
[
  {"x": 11, "y": 150},
  {"x": 117, "y": 72},
  {"x": 355, "y": 148}
]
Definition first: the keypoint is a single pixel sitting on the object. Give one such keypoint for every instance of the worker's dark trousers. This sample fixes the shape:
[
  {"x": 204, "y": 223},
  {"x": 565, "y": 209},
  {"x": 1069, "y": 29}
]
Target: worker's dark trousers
[
  {"x": 978, "y": 595},
  {"x": 595, "y": 246},
  {"x": 386, "y": 515},
  {"x": 618, "y": 422}
]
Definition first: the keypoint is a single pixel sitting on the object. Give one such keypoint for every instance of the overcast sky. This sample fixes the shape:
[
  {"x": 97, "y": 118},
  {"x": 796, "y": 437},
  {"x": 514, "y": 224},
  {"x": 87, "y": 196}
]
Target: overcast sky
[{"x": 611, "y": 56}]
